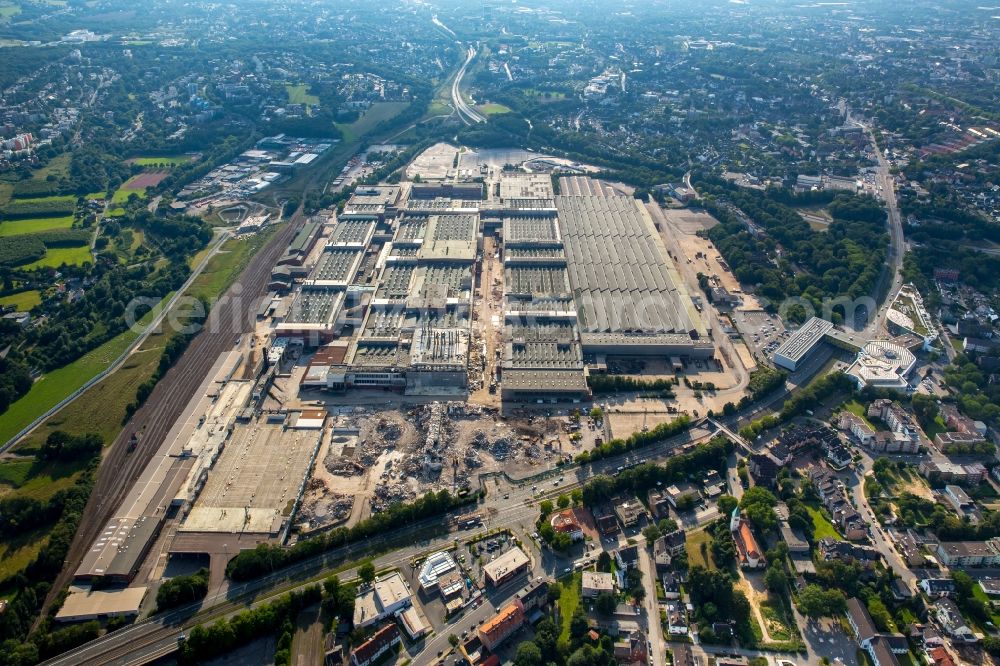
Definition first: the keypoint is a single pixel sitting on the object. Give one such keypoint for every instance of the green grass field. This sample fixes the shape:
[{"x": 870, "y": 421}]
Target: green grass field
[
  {"x": 57, "y": 256},
  {"x": 299, "y": 94},
  {"x": 121, "y": 195},
  {"x": 569, "y": 600},
  {"x": 492, "y": 109},
  {"x": 58, "y": 166},
  {"x": 17, "y": 553},
  {"x": 699, "y": 550},
  {"x": 56, "y": 385},
  {"x": 225, "y": 266},
  {"x": 23, "y": 301},
  {"x": 821, "y": 526},
  {"x": 34, "y": 225},
  {"x": 372, "y": 117},
  {"x": 168, "y": 162}
]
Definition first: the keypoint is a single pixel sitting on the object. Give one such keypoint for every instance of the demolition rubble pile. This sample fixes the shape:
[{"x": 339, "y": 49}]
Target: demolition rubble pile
[
  {"x": 323, "y": 507},
  {"x": 387, "y": 494}
]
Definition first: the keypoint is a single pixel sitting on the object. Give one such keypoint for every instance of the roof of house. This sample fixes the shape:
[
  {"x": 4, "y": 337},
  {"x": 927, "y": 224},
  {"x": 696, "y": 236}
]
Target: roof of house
[
  {"x": 378, "y": 642},
  {"x": 862, "y": 621},
  {"x": 511, "y": 614}
]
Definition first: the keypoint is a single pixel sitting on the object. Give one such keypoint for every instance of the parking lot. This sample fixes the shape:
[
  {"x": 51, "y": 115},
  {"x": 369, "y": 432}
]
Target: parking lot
[{"x": 762, "y": 332}]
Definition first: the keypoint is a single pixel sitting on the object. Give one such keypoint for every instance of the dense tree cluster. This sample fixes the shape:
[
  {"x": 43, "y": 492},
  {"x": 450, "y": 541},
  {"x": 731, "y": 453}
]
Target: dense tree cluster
[
  {"x": 790, "y": 259},
  {"x": 181, "y": 590},
  {"x": 716, "y": 599},
  {"x": 207, "y": 642},
  {"x": 33, "y": 582}
]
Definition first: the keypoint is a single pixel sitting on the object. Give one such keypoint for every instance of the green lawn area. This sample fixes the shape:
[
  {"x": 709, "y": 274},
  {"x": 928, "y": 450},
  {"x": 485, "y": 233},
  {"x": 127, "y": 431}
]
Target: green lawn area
[
  {"x": 57, "y": 256},
  {"x": 58, "y": 166},
  {"x": 299, "y": 94},
  {"x": 17, "y": 553},
  {"x": 14, "y": 472},
  {"x": 856, "y": 408},
  {"x": 777, "y": 625},
  {"x": 34, "y": 225},
  {"x": 699, "y": 550},
  {"x": 569, "y": 600},
  {"x": 56, "y": 385},
  {"x": 39, "y": 480},
  {"x": 223, "y": 268},
  {"x": 978, "y": 593},
  {"x": 122, "y": 193},
  {"x": 23, "y": 301},
  {"x": 492, "y": 109},
  {"x": 166, "y": 161},
  {"x": 369, "y": 119},
  {"x": 822, "y": 527}
]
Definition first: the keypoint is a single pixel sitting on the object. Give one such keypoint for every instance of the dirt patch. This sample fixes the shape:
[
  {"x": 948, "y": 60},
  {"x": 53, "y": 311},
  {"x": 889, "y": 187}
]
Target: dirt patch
[{"x": 146, "y": 179}]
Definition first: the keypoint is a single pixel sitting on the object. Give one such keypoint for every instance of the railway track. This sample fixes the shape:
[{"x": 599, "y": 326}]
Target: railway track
[{"x": 120, "y": 469}]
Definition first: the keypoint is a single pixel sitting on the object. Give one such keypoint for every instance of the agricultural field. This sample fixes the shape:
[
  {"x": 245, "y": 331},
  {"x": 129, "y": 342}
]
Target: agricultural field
[
  {"x": 57, "y": 256},
  {"x": 299, "y": 94},
  {"x": 39, "y": 207},
  {"x": 23, "y": 301},
  {"x": 34, "y": 225},
  {"x": 372, "y": 117}
]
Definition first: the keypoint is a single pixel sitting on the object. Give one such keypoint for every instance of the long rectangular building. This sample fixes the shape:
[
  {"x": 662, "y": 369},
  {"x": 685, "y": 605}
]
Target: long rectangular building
[{"x": 629, "y": 296}]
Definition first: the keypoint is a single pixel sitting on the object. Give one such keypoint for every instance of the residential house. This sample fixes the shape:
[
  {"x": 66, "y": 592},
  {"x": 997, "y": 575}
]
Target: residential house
[
  {"x": 937, "y": 587},
  {"x": 713, "y": 485},
  {"x": 831, "y": 549},
  {"x": 371, "y": 650},
  {"x": 626, "y": 558},
  {"x": 631, "y": 649},
  {"x": 968, "y": 553},
  {"x": 949, "y": 618},
  {"x": 659, "y": 505},
  {"x": 565, "y": 522},
  {"x": 677, "y": 620},
  {"x": 682, "y": 492},
  {"x": 764, "y": 468},
  {"x": 940, "y": 657},
  {"x": 882, "y": 648},
  {"x": 671, "y": 585},
  {"x": 595, "y": 582},
  {"x": 849, "y": 422},
  {"x": 605, "y": 519},
  {"x": 630, "y": 512},
  {"x": 667, "y": 547},
  {"x": 501, "y": 626}
]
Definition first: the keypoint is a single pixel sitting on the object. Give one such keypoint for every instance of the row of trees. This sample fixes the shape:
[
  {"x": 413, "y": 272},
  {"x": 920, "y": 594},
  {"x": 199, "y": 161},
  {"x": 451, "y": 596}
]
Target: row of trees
[
  {"x": 639, "y": 479},
  {"x": 636, "y": 440},
  {"x": 266, "y": 558}
]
